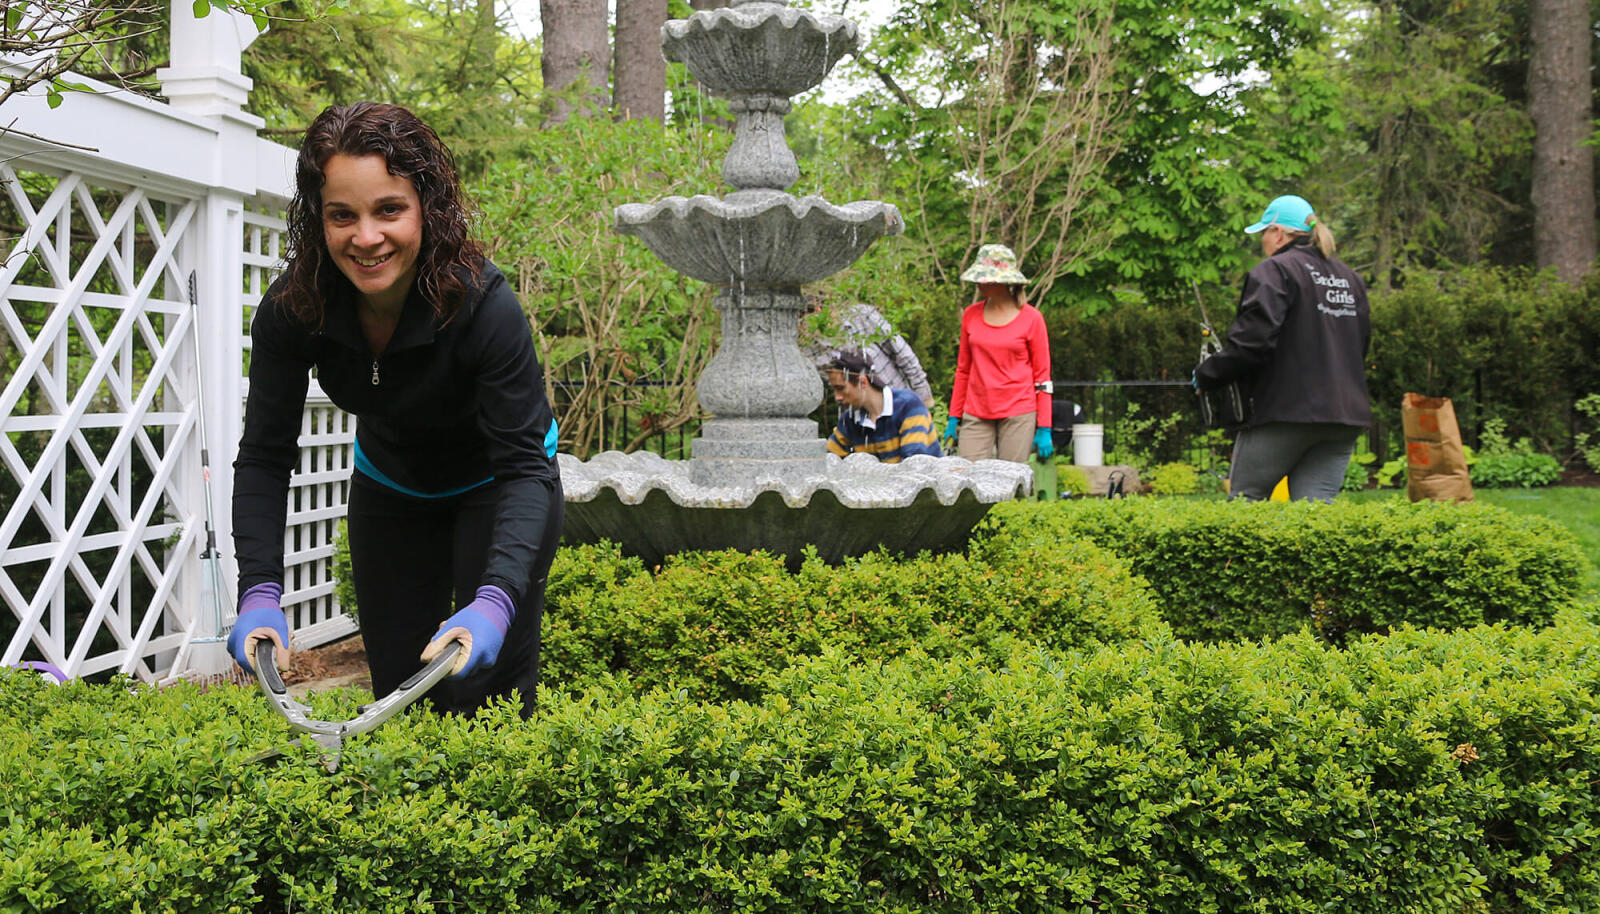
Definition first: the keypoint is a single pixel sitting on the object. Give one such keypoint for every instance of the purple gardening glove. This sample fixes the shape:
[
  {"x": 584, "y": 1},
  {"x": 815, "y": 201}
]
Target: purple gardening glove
[
  {"x": 260, "y": 616},
  {"x": 480, "y": 626}
]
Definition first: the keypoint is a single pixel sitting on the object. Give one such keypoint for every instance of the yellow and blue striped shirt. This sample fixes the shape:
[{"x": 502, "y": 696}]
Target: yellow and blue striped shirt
[{"x": 903, "y": 428}]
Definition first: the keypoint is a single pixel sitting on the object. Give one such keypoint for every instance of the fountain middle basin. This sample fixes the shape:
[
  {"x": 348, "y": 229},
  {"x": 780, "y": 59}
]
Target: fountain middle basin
[
  {"x": 756, "y": 237},
  {"x": 653, "y": 508}
]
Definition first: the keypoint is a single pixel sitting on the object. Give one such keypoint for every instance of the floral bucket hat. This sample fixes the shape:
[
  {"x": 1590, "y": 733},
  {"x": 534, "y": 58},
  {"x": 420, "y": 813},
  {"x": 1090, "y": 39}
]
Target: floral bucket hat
[{"x": 996, "y": 263}]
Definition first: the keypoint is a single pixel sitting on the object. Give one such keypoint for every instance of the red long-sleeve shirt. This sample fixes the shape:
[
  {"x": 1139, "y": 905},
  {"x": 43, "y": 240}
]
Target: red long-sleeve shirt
[{"x": 997, "y": 367}]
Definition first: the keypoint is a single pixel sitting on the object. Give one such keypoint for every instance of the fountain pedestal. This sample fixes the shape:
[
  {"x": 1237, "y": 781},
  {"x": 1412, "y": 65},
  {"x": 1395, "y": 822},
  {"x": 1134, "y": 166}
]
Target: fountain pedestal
[{"x": 755, "y": 386}]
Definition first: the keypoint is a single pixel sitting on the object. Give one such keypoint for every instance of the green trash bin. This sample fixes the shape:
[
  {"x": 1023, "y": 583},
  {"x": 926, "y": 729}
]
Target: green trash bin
[{"x": 1045, "y": 484}]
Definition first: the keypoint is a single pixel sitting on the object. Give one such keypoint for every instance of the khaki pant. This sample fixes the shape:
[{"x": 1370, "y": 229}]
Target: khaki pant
[{"x": 1010, "y": 438}]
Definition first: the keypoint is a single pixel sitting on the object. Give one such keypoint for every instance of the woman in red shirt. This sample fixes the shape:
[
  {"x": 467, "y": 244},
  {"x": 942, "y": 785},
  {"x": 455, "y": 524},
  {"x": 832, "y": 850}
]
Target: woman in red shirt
[{"x": 1001, "y": 403}]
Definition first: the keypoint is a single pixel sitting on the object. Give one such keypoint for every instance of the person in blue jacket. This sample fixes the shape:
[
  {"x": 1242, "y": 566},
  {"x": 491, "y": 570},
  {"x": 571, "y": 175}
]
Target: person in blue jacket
[{"x": 455, "y": 505}]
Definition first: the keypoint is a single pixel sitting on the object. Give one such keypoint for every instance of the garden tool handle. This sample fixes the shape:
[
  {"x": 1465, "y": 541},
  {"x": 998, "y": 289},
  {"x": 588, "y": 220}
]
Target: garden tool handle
[
  {"x": 267, "y": 668},
  {"x": 299, "y": 716},
  {"x": 418, "y": 685}
]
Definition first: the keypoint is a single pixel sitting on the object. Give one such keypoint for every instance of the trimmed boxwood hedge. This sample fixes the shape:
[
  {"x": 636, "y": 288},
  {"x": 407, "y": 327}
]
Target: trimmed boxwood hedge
[
  {"x": 1229, "y": 570},
  {"x": 718, "y": 624},
  {"x": 1424, "y": 772}
]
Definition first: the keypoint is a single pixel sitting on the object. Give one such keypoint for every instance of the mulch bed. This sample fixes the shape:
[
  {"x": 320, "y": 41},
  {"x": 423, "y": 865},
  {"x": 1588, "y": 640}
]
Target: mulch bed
[
  {"x": 331, "y": 661},
  {"x": 1579, "y": 475}
]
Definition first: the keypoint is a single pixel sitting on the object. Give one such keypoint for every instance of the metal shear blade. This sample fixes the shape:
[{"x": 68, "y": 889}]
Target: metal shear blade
[{"x": 329, "y": 736}]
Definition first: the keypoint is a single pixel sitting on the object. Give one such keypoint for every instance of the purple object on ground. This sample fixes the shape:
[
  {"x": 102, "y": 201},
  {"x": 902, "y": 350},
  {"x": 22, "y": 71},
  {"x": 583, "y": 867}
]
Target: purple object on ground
[{"x": 45, "y": 670}]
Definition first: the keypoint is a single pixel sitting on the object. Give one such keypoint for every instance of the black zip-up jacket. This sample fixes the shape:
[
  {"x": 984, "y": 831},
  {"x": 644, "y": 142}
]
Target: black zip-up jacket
[
  {"x": 1299, "y": 344},
  {"x": 444, "y": 408}
]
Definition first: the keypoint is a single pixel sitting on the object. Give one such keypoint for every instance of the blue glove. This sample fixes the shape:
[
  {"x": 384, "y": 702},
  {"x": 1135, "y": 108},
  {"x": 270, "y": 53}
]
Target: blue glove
[
  {"x": 480, "y": 627},
  {"x": 1194, "y": 381},
  {"x": 951, "y": 426},
  {"x": 1043, "y": 443},
  {"x": 260, "y": 616}
]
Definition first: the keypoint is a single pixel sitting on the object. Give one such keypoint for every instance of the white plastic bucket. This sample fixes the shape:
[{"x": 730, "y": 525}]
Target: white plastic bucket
[{"x": 1086, "y": 442}]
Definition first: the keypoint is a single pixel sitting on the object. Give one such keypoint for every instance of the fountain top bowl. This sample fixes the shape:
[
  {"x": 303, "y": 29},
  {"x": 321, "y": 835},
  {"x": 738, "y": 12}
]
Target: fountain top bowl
[{"x": 758, "y": 47}]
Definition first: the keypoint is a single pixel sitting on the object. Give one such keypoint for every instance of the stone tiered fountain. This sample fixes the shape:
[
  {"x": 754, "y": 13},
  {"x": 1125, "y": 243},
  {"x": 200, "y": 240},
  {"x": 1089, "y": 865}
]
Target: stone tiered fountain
[{"x": 760, "y": 477}]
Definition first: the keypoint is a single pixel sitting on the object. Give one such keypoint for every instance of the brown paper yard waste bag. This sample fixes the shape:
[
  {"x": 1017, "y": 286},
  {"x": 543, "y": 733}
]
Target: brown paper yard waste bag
[{"x": 1436, "y": 466}]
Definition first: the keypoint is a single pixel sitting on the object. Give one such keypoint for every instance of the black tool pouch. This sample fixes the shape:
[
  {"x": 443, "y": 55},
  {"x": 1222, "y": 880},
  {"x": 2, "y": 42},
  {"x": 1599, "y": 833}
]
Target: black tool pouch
[{"x": 1225, "y": 407}]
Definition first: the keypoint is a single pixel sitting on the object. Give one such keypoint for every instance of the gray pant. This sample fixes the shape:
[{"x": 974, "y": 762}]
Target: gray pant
[{"x": 1313, "y": 455}]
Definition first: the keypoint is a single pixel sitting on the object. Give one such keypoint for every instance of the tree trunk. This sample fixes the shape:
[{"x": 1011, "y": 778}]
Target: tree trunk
[
  {"x": 1563, "y": 167},
  {"x": 576, "y": 58},
  {"x": 639, "y": 69},
  {"x": 485, "y": 36}
]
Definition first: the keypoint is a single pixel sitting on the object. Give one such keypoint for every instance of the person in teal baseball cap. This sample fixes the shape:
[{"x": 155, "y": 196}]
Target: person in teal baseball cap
[
  {"x": 1285, "y": 217},
  {"x": 1297, "y": 350},
  {"x": 1288, "y": 211}
]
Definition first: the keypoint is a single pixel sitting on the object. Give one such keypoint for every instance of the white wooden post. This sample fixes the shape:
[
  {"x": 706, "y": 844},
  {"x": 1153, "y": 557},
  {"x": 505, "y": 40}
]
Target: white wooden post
[{"x": 204, "y": 79}]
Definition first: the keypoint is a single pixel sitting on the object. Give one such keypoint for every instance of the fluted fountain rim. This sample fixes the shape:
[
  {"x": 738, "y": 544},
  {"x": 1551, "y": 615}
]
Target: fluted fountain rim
[
  {"x": 856, "y": 481},
  {"x": 753, "y": 205},
  {"x": 753, "y": 16},
  {"x": 704, "y": 237}
]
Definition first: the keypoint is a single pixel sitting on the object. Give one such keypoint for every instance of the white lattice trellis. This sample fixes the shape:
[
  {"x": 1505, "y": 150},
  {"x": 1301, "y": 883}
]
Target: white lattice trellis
[
  {"x": 100, "y": 411},
  {"x": 103, "y": 507}
]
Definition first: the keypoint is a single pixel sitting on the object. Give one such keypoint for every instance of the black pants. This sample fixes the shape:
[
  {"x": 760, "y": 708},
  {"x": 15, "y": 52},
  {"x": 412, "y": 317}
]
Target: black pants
[{"x": 416, "y": 561}]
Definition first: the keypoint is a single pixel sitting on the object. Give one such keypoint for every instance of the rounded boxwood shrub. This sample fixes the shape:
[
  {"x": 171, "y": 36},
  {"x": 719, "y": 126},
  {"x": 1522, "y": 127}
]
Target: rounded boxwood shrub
[
  {"x": 1226, "y": 570},
  {"x": 720, "y": 623}
]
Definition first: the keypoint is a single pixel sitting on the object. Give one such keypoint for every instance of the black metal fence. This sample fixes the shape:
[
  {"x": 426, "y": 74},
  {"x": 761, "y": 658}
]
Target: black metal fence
[{"x": 1157, "y": 419}]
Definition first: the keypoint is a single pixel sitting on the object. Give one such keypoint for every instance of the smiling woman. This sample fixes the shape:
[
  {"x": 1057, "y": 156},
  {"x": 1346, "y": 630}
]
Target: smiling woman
[
  {"x": 455, "y": 507},
  {"x": 373, "y": 224}
]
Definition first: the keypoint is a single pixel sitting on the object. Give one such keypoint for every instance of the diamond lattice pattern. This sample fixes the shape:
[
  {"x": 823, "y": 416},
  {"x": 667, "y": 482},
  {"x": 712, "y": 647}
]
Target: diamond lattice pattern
[{"x": 99, "y": 406}]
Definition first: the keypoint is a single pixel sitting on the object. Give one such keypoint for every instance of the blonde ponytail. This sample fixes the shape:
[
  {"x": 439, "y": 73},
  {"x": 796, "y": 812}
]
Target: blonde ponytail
[{"x": 1322, "y": 237}]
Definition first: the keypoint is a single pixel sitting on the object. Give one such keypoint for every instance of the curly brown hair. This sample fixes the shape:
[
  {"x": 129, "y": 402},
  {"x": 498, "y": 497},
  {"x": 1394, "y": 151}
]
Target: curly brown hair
[{"x": 412, "y": 151}]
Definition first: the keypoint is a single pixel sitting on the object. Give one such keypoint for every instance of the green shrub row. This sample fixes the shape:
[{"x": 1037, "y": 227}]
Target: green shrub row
[
  {"x": 719, "y": 624},
  {"x": 1424, "y": 772},
  {"x": 1228, "y": 570}
]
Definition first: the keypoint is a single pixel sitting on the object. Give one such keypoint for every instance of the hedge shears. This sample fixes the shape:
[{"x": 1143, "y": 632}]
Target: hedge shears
[
  {"x": 328, "y": 736},
  {"x": 1226, "y": 406}
]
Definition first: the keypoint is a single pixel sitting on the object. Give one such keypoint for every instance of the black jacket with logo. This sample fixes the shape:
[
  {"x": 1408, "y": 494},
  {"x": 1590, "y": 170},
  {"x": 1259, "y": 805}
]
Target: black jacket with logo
[
  {"x": 1299, "y": 344},
  {"x": 443, "y": 409}
]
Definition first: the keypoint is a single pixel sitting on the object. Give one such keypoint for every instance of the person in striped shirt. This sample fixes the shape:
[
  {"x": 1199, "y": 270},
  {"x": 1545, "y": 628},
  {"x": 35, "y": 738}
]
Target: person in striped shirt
[{"x": 889, "y": 423}]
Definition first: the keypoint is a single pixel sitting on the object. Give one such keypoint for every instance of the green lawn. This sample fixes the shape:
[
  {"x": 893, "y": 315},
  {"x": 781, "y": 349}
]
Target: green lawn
[{"x": 1578, "y": 509}]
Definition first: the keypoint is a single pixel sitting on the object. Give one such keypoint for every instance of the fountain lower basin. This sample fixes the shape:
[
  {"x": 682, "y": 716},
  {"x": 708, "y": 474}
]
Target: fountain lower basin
[{"x": 653, "y": 508}]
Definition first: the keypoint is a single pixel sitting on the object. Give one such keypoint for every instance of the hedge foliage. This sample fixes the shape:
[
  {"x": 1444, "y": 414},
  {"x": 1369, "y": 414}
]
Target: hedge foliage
[
  {"x": 719, "y": 624},
  {"x": 1424, "y": 772},
  {"x": 1505, "y": 344},
  {"x": 1228, "y": 570}
]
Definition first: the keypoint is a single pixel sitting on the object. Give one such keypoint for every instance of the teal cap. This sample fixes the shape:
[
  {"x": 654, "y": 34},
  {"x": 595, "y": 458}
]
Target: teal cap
[{"x": 1288, "y": 212}]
